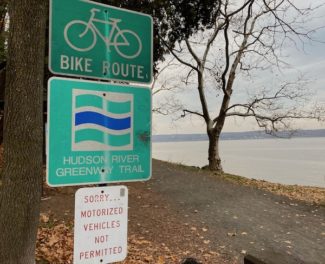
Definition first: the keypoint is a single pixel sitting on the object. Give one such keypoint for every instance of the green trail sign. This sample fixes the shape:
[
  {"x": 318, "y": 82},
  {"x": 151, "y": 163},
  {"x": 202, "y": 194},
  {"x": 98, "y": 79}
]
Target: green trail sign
[
  {"x": 97, "y": 133},
  {"x": 94, "y": 40}
]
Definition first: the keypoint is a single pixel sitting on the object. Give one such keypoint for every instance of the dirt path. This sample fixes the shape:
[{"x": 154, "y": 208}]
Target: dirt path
[
  {"x": 185, "y": 212},
  {"x": 243, "y": 219}
]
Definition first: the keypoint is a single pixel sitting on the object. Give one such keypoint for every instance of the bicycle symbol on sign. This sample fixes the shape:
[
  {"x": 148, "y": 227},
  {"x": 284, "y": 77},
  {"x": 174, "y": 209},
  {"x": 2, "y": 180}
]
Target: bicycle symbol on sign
[{"x": 82, "y": 36}]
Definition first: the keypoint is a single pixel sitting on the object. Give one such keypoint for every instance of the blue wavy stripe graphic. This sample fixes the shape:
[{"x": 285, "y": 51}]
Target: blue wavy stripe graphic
[
  {"x": 90, "y": 117},
  {"x": 101, "y": 137}
]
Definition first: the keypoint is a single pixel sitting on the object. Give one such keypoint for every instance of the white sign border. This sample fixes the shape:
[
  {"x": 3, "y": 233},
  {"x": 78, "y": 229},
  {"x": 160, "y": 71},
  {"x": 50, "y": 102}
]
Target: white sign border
[
  {"x": 92, "y": 191},
  {"x": 48, "y": 137},
  {"x": 149, "y": 82}
]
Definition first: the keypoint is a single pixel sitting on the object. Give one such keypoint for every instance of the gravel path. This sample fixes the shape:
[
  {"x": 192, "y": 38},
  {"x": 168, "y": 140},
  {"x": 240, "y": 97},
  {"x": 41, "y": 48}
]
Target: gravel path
[
  {"x": 186, "y": 212},
  {"x": 235, "y": 219}
]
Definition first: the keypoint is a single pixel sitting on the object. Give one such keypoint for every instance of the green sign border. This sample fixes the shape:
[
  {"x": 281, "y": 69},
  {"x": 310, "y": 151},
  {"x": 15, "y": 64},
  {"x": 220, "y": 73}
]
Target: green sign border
[
  {"x": 98, "y": 76},
  {"x": 59, "y": 136}
]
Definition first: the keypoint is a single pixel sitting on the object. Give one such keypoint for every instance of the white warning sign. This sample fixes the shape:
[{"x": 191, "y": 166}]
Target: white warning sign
[{"x": 100, "y": 232}]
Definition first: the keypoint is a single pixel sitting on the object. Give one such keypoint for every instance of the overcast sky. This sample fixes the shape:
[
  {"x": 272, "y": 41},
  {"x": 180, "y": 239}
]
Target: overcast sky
[{"x": 310, "y": 63}]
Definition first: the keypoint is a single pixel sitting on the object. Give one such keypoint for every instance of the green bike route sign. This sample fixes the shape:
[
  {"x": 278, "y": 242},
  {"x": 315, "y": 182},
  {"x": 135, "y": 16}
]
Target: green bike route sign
[
  {"x": 97, "y": 133},
  {"x": 94, "y": 40}
]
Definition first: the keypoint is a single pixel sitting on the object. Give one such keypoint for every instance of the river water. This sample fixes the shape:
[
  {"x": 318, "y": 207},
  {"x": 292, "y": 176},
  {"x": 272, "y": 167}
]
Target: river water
[{"x": 288, "y": 161}]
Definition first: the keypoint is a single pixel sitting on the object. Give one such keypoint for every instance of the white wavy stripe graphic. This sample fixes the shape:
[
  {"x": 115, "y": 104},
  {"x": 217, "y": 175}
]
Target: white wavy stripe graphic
[
  {"x": 89, "y": 145},
  {"x": 103, "y": 129},
  {"x": 109, "y": 96},
  {"x": 101, "y": 111}
]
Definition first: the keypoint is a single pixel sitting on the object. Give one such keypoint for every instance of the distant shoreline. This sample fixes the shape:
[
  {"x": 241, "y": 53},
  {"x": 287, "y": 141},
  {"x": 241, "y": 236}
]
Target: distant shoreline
[
  {"x": 295, "y": 161},
  {"x": 239, "y": 136}
]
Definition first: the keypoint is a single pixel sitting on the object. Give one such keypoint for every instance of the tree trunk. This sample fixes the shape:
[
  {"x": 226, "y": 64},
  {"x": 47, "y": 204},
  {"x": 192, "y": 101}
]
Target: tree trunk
[
  {"x": 214, "y": 157},
  {"x": 3, "y": 11},
  {"x": 20, "y": 192}
]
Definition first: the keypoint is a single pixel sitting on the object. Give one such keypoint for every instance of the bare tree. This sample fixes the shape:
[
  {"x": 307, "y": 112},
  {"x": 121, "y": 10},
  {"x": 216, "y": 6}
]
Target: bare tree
[
  {"x": 163, "y": 88},
  {"x": 248, "y": 36}
]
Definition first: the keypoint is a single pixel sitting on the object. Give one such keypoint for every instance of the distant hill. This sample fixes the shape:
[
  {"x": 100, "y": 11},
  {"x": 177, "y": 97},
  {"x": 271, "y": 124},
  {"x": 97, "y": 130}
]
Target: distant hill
[{"x": 237, "y": 135}]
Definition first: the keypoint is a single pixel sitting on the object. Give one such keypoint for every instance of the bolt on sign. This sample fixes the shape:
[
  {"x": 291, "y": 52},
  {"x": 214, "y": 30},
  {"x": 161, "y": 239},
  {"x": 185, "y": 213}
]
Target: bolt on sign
[
  {"x": 94, "y": 40},
  {"x": 100, "y": 229},
  {"x": 97, "y": 133}
]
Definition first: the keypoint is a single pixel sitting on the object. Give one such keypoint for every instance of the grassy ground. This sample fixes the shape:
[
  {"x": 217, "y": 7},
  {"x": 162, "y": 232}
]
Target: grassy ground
[{"x": 315, "y": 195}]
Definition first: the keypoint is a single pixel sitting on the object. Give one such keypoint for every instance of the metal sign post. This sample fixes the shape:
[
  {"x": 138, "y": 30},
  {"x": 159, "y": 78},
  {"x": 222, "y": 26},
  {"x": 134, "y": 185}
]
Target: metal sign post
[{"x": 99, "y": 132}]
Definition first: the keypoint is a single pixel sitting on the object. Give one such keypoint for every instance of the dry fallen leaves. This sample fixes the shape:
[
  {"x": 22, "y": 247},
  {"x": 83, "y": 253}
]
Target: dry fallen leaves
[
  {"x": 54, "y": 241},
  {"x": 55, "y": 246},
  {"x": 309, "y": 194}
]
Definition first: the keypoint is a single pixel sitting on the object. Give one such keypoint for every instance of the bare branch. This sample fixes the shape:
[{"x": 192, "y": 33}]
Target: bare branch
[
  {"x": 185, "y": 111},
  {"x": 169, "y": 105},
  {"x": 227, "y": 56},
  {"x": 160, "y": 71},
  {"x": 177, "y": 57},
  {"x": 239, "y": 9},
  {"x": 196, "y": 58},
  {"x": 217, "y": 28}
]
